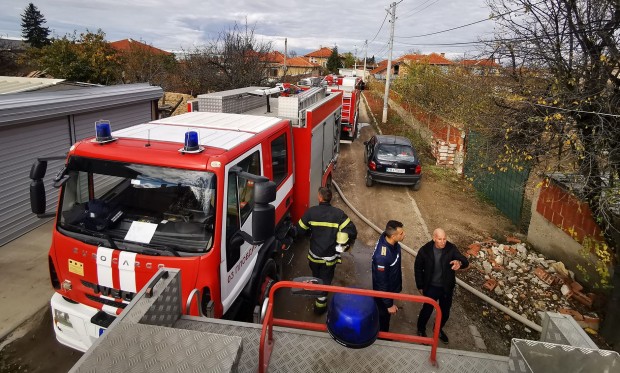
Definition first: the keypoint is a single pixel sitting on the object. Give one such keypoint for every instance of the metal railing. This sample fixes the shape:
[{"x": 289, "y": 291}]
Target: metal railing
[{"x": 266, "y": 337}]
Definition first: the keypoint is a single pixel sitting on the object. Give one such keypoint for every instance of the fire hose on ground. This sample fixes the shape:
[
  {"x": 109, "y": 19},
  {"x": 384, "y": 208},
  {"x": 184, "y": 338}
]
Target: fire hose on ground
[{"x": 530, "y": 324}]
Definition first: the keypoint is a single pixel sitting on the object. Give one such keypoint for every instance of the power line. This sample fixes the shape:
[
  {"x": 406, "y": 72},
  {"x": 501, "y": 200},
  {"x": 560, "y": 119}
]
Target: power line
[
  {"x": 414, "y": 9},
  {"x": 467, "y": 25},
  {"x": 382, "y": 23}
]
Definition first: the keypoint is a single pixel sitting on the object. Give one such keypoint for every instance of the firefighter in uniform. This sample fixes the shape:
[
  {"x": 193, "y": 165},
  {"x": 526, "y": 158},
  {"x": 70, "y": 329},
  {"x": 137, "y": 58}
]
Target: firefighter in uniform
[
  {"x": 325, "y": 222},
  {"x": 386, "y": 270}
]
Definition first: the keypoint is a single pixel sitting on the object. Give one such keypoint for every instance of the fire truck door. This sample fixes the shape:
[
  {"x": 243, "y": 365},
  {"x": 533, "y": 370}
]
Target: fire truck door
[
  {"x": 316, "y": 162},
  {"x": 238, "y": 256}
]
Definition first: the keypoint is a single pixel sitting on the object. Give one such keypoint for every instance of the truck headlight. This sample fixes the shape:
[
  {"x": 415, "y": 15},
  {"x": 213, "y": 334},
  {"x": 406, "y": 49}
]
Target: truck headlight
[{"x": 62, "y": 318}]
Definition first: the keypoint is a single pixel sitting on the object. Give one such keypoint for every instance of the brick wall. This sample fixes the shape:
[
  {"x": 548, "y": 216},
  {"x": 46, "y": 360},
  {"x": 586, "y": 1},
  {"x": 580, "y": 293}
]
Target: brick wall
[
  {"x": 567, "y": 212},
  {"x": 446, "y": 139}
]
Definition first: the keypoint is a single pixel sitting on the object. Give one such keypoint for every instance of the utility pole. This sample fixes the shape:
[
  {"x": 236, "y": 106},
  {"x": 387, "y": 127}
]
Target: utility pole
[
  {"x": 365, "y": 58},
  {"x": 355, "y": 61},
  {"x": 285, "y": 53},
  {"x": 386, "y": 96}
]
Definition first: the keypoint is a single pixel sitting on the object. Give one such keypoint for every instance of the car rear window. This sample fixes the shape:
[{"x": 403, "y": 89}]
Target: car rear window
[{"x": 395, "y": 152}]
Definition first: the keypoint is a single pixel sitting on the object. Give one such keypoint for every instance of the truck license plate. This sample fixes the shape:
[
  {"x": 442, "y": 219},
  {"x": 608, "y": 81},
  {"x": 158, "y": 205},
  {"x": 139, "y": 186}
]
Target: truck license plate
[{"x": 396, "y": 170}]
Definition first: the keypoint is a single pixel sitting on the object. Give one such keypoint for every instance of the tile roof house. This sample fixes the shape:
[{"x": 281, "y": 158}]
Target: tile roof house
[
  {"x": 126, "y": 45},
  {"x": 294, "y": 65},
  {"x": 399, "y": 65},
  {"x": 485, "y": 66},
  {"x": 320, "y": 56}
]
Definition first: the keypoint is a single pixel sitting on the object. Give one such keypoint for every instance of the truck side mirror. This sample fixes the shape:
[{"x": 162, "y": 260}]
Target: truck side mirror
[
  {"x": 263, "y": 222},
  {"x": 264, "y": 192},
  {"x": 37, "y": 196},
  {"x": 38, "y": 169},
  {"x": 264, "y": 215}
]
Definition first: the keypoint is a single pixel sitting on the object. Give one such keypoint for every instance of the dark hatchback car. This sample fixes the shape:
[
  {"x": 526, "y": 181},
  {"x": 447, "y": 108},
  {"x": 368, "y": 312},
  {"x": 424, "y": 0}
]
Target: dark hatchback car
[{"x": 392, "y": 160}]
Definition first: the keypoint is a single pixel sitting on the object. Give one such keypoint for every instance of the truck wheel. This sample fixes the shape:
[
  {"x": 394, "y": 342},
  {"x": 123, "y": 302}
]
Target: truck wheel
[
  {"x": 417, "y": 185},
  {"x": 268, "y": 277},
  {"x": 368, "y": 180}
]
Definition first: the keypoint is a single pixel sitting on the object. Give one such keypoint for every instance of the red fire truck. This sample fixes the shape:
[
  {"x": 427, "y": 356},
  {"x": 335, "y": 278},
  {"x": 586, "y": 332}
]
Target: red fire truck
[
  {"x": 350, "y": 86},
  {"x": 199, "y": 192}
]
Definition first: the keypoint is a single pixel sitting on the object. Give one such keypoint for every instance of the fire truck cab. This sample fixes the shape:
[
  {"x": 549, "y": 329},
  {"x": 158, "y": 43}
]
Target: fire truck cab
[{"x": 211, "y": 193}]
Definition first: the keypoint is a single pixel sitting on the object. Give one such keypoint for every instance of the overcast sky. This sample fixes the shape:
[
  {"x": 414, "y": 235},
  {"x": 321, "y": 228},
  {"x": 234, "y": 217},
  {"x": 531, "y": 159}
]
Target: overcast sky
[{"x": 180, "y": 24}]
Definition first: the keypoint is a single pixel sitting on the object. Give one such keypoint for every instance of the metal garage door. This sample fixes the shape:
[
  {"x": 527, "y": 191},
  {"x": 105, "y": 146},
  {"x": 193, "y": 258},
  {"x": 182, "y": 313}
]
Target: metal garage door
[
  {"x": 20, "y": 145},
  {"x": 119, "y": 116}
]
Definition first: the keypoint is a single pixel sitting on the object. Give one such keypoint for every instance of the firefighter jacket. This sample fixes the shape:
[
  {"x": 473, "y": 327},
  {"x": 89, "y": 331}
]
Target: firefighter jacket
[
  {"x": 323, "y": 222},
  {"x": 387, "y": 274},
  {"x": 425, "y": 264}
]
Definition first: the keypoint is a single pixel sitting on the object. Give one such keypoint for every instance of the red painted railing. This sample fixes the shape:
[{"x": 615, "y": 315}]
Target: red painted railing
[{"x": 267, "y": 341}]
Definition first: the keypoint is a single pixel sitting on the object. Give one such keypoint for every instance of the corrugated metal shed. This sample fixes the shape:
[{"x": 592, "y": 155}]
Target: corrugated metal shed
[
  {"x": 42, "y": 124},
  {"x": 16, "y": 108},
  {"x": 14, "y": 84}
]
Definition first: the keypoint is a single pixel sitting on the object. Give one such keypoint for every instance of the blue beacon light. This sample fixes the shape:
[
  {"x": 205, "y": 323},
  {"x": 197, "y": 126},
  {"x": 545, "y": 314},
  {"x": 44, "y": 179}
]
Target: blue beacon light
[
  {"x": 103, "y": 132},
  {"x": 191, "y": 144},
  {"x": 353, "y": 320}
]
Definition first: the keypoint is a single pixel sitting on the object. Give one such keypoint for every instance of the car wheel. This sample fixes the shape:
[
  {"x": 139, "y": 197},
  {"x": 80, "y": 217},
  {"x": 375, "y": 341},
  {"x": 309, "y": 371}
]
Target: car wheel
[
  {"x": 417, "y": 185},
  {"x": 368, "y": 180}
]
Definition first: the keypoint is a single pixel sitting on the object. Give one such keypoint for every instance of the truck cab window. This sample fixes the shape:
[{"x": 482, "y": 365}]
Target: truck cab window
[
  {"x": 279, "y": 159},
  {"x": 105, "y": 199}
]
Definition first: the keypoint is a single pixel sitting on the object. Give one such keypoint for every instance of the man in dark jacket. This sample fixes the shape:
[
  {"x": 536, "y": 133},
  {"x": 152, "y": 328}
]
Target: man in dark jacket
[
  {"x": 324, "y": 222},
  {"x": 435, "y": 267},
  {"x": 386, "y": 270}
]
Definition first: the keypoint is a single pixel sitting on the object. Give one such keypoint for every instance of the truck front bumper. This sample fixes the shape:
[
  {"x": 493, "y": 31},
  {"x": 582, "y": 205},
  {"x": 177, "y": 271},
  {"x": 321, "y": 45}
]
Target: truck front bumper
[{"x": 72, "y": 323}]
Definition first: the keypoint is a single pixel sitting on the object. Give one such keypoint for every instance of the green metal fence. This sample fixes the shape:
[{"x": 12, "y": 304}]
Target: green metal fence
[{"x": 505, "y": 188}]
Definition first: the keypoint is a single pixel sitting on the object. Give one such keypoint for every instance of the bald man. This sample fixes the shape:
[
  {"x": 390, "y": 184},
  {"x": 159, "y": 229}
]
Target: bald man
[{"x": 435, "y": 267}]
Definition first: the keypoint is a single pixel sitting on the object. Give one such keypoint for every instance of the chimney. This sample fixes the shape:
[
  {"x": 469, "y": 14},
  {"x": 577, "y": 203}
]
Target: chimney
[{"x": 442, "y": 54}]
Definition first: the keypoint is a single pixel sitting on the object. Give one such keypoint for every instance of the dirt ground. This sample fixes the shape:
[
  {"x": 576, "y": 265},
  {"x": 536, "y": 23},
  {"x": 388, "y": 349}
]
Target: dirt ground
[{"x": 443, "y": 201}]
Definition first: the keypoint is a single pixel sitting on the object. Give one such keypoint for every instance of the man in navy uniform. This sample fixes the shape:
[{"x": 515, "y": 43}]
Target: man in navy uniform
[
  {"x": 324, "y": 222},
  {"x": 435, "y": 267},
  {"x": 386, "y": 270}
]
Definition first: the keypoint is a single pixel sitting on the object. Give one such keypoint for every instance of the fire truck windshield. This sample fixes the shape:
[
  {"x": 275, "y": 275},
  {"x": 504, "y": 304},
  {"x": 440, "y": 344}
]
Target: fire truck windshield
[{"x": 148, "y": 209}]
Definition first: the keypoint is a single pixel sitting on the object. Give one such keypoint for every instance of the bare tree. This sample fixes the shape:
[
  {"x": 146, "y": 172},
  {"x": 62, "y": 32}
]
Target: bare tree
[
  {"x": 235, "y": 59},
  {"x": 564, "y": 65}
]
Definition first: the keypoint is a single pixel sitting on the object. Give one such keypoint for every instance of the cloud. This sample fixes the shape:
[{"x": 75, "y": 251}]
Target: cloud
[{"x": 307, "y": 25}]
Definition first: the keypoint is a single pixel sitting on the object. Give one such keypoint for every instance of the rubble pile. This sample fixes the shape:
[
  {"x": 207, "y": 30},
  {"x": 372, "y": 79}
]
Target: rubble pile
[{"x": 527, "y": 282}]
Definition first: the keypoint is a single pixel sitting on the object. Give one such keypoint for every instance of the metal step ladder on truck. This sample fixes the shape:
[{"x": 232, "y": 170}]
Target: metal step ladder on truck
[
  {"x": 153, "y": 335},
  {"x": 351, "y": 88},
  {"x": 198, "y": 192}
]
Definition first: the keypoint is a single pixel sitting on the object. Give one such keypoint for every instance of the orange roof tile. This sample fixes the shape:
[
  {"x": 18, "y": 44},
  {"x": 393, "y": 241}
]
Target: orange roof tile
[
  {"x": 300, "y": 62},
  {"x": 320, "y": 53},
  {"x": 381, "y": 67},
  {"x": 127, "y": 44},
  {"x": 431, "y": 59},
  {"x": 488, "y": 62},
  {"x": 275, "y": 57}
]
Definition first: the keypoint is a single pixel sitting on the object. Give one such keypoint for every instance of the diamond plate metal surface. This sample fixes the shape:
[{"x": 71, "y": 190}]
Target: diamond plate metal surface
[
  {"x": 534, "y": 356},
  {"x": 148, "y": 348},
  {"x": 164, "y": 308},
  {"x": 305, "y": 351},
  {"x": 563, "y": 329}
]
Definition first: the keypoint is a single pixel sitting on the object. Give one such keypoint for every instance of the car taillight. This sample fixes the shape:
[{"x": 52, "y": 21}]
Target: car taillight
[
  {"x": 53, "y": 274},
  {"x": 372, "y": 165},
  {"x": 418, "y": 169}
]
